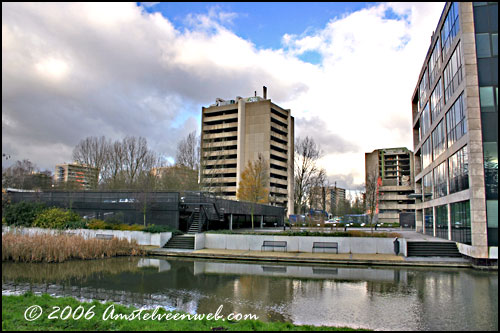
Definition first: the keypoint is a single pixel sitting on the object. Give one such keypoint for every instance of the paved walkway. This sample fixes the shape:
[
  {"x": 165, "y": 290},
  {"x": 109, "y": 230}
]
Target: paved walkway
[{"x": 321, "y": 258}]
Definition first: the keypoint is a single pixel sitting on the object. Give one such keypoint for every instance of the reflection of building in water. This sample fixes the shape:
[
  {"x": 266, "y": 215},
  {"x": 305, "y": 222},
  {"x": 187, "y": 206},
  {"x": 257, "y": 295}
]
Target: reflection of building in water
[{"x": 310, "y": 272}]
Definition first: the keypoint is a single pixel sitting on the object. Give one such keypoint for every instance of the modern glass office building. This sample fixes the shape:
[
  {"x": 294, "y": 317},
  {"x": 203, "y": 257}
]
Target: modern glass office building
[{"x": 455, "y": 130}]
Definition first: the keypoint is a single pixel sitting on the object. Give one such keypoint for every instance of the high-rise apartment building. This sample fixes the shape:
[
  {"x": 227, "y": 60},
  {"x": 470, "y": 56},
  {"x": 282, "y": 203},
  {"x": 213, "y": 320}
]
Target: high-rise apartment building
[
  {"x": 455, "y": 130},
  {"x": 327, "y": 198},
  {"x": 393, "y": 168},
  {"x": 235, "y": 132},
  {"x": 82, "y": 175}
]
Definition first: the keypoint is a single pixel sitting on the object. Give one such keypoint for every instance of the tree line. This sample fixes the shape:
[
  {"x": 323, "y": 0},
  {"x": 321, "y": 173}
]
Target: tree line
[{"x": 129, "y": 164}]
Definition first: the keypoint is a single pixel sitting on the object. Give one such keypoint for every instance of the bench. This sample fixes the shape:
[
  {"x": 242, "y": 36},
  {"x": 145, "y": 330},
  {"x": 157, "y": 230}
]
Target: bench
[
  {"x": 274, "y": 244},
  {"x": 104, "y": 236},
  {"x": 326, "y": 245}
]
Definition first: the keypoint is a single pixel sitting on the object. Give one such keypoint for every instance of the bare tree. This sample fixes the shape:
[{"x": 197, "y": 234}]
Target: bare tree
[
  {"x": 306, "y": 170},
  {"x": 371, "y": 195},
  {"x": 177, "y": 178},
  {"x": 25, "y": 175},
  {"x": 211, "y": 164},
  {"x": 95, "y": 152},
  {"x": 188, "y": 151}
]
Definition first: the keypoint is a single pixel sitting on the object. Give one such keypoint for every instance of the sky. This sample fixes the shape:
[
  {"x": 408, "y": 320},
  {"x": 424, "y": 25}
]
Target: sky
[{"x": 347, "y": 71}]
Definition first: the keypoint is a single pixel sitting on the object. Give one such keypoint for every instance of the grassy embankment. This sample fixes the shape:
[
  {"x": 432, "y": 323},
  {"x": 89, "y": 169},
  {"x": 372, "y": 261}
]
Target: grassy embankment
[
  {"x": 59, "y": 248},
  {"x": 14, "y": 308}
]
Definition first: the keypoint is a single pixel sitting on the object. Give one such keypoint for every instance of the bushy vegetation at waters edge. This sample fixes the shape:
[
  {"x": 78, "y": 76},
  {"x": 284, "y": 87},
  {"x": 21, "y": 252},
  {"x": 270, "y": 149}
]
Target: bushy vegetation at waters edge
[{"x": 59, "y": 248}]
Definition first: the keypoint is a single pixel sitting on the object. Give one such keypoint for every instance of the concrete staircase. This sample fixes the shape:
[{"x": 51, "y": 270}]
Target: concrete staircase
[
  {"x": 432, "y": 249},
  {"x": 185, "y": 242}
]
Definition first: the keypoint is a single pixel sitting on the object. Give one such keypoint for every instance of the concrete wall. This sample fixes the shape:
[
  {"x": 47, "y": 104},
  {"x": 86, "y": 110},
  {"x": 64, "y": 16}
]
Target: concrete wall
[
  {"x": 142, "y": 238},
  {"x": 360, "y": 245}
]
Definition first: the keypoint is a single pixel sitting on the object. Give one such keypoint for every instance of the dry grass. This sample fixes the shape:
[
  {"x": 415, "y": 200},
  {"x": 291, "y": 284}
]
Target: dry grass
[
  {"x": 78, "y": 270},
  {"x": 59, "y": 248}
]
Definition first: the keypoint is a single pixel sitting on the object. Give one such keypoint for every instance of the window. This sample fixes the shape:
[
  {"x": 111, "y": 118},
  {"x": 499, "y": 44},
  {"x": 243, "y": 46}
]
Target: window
[
  {"x": 487, "y": 96},
  {"x": 451, "y": 26},
  {"x": 429, "y": 221},
  {"x": 426, "y": 153},
  {"x": 438, "y": 140},
  {"x": 427, "y": 183},
  {"x": 453, "y": 73},
  {"x": 424, "y": 85},
  {"x": 442, "y": 222},
  {"x": 487, "y": 45},
  {"x": 490, "y": 150},
  {"x": 434, "y": 64},
  {"x": 460, "y": 222},
  {"x": 425, "y": 122},
  {"x": 459, "y": 171},
  {"x": 455, "y": 121},
  {"x": 483, "y": 47},
  {"x": 494, "y": 44},
  {"x": 436, "y": 102},
  {"x": 440, "y": 186}
]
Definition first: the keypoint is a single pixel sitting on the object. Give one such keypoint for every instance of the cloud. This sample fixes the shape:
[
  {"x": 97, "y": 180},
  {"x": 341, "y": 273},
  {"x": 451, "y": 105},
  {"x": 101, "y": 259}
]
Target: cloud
[
  {"x": 330, "y": 143},
  {"x": 72, "y": 70},
  {"x": 346, "y": 181}
]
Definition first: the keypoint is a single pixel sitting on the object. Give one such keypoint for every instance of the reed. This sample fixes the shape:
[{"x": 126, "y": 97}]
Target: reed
[{"x": 59, "y": 248}]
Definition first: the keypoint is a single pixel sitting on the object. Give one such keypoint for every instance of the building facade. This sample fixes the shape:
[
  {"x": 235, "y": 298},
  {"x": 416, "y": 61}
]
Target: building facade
[
  {"x": 327, "y": 198},
  {"x": 82, "y": 175},
  {"x": 455, "y": 130},
  {"x": 394, "y": 170},
  {"x": 235, "y": 132}
]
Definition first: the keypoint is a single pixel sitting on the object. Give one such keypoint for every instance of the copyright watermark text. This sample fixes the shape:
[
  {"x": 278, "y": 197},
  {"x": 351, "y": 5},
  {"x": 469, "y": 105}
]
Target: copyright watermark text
[{"x": 34, "y": 312}]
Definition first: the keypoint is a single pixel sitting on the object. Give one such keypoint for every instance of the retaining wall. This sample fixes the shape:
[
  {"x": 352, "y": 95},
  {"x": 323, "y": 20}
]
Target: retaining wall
[
  {"x": 360, "y": 245},
  {"x": 142, "y": 238}
]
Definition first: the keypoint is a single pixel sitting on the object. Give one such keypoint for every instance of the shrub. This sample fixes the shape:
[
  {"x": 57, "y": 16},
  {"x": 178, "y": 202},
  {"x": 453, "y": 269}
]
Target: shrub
[
  {"x": 56, "y": 218},
  {"x": 122, "y": 226},
  {"x": 116, "y": 218},
  {"x": 22, "y": 214},
  {"x": 161, "y": 228},
  {"x": 80, "y": 224},
  {"x": 97, "y": 224}
]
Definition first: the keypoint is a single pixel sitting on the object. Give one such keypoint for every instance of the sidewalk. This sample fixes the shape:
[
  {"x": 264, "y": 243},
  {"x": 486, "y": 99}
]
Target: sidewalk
[{"x": 319, "y": 258}]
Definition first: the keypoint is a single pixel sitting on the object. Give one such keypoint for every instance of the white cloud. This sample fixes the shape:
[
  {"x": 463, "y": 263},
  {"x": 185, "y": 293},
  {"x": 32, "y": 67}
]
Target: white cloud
[{"x": 78, "y": 69}]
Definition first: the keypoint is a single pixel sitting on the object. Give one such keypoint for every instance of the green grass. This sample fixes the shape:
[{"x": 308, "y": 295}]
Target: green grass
[{"x": 14, "y": 308}]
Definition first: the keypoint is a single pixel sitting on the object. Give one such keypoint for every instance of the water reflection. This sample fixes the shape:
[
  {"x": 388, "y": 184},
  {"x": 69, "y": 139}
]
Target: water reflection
[{"x": 388, "y": 298}]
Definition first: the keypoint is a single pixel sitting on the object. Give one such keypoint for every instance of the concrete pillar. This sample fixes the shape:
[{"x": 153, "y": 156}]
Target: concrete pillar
[
  {"x": 448, "y": 207},
  {"x": 434, "y": 221},
  {"x": 240, "y": 150},
  {"x": 231, "y": 222},
  {"x": 262, "y": 221}
]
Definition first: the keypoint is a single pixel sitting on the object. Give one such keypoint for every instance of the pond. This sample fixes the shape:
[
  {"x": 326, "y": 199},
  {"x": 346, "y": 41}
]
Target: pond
[{"x": 381, "y": 298}]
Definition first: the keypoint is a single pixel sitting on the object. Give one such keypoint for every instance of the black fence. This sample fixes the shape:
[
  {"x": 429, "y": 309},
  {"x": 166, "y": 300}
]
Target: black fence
[{"x": 160, "y": 208}]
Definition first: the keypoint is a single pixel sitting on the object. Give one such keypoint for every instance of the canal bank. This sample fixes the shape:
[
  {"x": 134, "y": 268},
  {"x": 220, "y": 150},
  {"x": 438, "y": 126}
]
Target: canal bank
[
  {"x": 313, "y": 258},
  {"x": 372, "y": 297}
]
